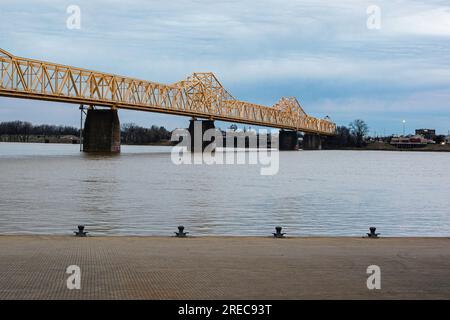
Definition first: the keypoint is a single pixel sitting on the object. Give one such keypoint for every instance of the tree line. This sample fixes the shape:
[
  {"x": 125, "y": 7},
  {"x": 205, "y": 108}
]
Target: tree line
[
  {"x": 134, "y": 134},
  {"x": 130, "y": 133},
  {"x": 22, "y": 130},
  {"x": 351, "y": 136},
  {"x": 346, "y": 137}
]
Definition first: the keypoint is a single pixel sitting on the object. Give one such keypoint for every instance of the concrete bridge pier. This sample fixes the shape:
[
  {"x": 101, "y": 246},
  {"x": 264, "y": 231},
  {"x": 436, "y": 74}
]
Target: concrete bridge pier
[
  {"x": 101, "y": 131},
  {"x": 312, "y": 142},
  {"x": 288, "y": 140},
  {"x": 197, "y": 129}
]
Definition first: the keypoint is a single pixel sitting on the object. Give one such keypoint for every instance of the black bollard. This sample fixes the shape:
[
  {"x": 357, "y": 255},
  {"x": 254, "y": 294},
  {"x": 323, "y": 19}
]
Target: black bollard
[
  {"x": 372, "y": 233},
  {"x": 80, "y": 232},
  {"x": 181, "y": 233},
  {"x": 278, "y": 233}
]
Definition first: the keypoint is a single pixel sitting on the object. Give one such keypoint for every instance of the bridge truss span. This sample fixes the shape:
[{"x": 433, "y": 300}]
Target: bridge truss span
[{"x": 201, "y": 95}]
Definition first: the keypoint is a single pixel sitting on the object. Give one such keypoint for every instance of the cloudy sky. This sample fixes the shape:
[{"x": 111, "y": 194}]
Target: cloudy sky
[{"x": 320, "y": 51}]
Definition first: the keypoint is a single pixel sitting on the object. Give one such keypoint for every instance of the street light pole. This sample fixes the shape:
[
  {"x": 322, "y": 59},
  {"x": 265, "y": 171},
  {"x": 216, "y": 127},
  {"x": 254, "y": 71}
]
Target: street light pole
[
  {"x": 404, "y": 121},
  {"x": 81, "y": 127}
]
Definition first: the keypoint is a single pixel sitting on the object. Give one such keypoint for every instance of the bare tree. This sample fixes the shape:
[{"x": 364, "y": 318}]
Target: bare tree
[{"x": 359, "y": 130}]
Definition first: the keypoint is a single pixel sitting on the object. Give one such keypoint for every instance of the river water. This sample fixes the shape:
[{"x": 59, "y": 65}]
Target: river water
[{"x": 51, "y": 188}]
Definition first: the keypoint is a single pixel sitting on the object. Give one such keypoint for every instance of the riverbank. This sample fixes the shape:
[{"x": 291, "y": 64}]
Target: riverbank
[
  {"x": 389, "y": 147},
  {"x": 34, "y": 267},
  {"x": 69, "y": 140},
  {"x": 369, "y": 147}
]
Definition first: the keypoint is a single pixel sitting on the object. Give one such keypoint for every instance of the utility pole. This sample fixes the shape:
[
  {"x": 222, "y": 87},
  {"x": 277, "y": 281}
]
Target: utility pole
[{"x": 81, "y": 127}]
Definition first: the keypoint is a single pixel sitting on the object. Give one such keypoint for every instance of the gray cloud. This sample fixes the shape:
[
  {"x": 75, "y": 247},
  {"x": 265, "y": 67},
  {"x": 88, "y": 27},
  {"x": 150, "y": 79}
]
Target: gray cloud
[{"x": 319, "y": 47}]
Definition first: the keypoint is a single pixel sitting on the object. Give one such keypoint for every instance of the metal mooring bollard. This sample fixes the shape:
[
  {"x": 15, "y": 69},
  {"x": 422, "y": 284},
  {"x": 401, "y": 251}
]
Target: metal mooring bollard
[
  {"x": 181, "y": 233},
  {"x": 278, "y": 233},
  {"x": 372, "y": 233},
  {"x": 80, "y": 232}
]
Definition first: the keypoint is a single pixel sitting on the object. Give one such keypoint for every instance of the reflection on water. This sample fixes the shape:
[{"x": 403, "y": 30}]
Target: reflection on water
[{"x": 51, "y": 188}]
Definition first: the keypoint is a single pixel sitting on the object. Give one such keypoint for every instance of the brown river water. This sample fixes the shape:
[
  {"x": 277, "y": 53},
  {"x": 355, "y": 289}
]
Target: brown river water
[{"x": 51, "y": 188}]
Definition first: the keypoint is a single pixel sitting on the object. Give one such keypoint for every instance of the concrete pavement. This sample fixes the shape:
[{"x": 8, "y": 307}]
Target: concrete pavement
[{"x": 34, "y": 267}]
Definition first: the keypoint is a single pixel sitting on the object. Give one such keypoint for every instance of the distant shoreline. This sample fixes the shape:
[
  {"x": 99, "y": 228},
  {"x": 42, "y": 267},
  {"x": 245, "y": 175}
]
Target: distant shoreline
[
  {"x": 168, "y": 143},
  {"x": 388, "y": 147},
  {"x": 64, "y": 140}
]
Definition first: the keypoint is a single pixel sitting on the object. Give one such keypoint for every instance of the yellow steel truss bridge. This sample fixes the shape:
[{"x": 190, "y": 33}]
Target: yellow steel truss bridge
[{"x": 200, "y": 96}]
